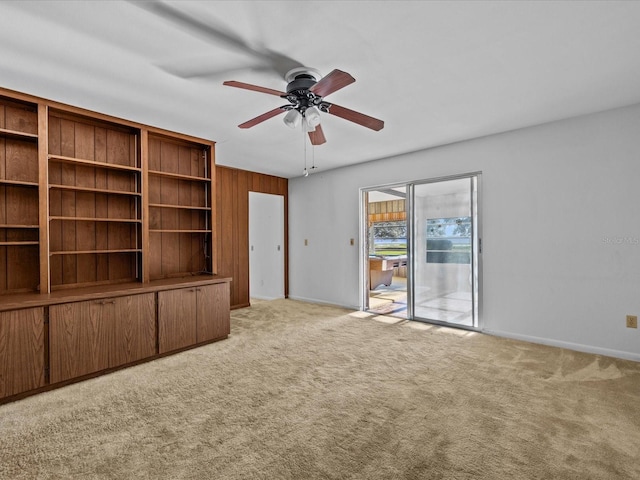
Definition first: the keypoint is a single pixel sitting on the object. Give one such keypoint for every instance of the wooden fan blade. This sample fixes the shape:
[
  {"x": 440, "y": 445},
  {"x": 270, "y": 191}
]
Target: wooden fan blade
[
  {"x": 218, "y": 35},
  {"x": 336, "y": 80},
  {"x": 356, "y": 117},
  {"x": 317, "y": 136},
  {"x": 261, "y": 118},
  {"x": 202, "y": 67},
  {"x": 255, "y": 88}
]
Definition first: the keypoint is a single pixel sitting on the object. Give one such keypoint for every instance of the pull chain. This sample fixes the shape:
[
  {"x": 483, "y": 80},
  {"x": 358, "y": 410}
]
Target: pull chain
[{"x": 305, "y": 172}]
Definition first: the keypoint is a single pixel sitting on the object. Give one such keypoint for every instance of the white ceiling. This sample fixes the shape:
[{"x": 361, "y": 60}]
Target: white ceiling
[{"x": 435, "y": 72}]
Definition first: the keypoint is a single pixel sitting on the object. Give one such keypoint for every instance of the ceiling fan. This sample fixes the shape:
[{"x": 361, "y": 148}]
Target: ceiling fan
[
  {"x": 305, "y": 92},
  {"x": 306, "y": 88}
]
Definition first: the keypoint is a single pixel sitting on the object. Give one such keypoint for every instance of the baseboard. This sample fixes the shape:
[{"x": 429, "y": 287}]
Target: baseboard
[
  {"x": 323, "y": 302},
  {"x": 568, "y": 345},
  {"x": 525, "y": 338},
  {"x": 261, "y": 297}
]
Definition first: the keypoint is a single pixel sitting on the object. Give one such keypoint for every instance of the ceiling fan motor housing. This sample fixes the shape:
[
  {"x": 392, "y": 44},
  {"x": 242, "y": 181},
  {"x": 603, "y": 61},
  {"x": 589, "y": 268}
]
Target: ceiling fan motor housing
[
  {"x": 301, "y": 82},
  {"x": 301, "y": 97}
]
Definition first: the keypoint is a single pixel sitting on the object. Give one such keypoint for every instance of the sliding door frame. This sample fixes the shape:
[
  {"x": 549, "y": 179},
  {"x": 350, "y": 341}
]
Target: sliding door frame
[
  {"x": 476, "y": 253},
  {"x": 364, "y": 238}
]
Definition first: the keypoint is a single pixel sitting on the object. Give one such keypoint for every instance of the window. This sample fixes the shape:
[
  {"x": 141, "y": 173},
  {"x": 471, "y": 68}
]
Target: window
[
  {"x": 449, "y": 240},
  {"x": 388, "y": 239}
]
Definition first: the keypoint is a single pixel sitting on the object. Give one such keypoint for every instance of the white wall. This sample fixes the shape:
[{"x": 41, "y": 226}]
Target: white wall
[{"x": 561, "y": 228}]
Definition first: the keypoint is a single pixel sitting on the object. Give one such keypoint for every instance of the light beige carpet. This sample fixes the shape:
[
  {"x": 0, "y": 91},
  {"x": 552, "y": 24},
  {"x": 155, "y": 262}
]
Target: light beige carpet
[{"x": 303, "y": 391}]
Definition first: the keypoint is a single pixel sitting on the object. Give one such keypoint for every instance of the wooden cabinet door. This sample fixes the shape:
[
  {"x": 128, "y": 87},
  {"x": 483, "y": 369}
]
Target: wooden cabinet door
[
  {"x": 21, "y": 350},
  {"x": 135, "y": 329},
  {"x": 213, "y": 320},
  {"x": 176, "y": 319},
  {"x": 80, "y": 338},
  {"x": 86, "y": 337}
]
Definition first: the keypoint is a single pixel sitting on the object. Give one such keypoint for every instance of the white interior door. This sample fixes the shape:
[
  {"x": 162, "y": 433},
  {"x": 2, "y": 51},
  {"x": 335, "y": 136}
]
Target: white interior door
[{"x": 266, "y": 246}]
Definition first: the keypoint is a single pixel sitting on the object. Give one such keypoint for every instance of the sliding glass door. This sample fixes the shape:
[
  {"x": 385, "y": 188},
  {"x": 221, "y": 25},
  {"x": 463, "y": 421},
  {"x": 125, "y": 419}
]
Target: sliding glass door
[
  {"x": 445, "y": 252},
  {"x": 442, "y": 253},
  {"x": 387, "y": 252}
]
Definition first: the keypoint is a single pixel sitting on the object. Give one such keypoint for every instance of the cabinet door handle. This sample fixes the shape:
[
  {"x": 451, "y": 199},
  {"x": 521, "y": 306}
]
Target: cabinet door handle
[{"x": 104, "y": 302}]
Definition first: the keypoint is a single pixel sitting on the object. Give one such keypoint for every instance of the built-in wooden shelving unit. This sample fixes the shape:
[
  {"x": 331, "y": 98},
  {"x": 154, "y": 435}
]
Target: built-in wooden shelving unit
[
  {"x": 180, "y": 183},
  {"x": 19, "y": 197},
  {"x": 95, "y": 208},
  {"x": 106, "y": 238}
]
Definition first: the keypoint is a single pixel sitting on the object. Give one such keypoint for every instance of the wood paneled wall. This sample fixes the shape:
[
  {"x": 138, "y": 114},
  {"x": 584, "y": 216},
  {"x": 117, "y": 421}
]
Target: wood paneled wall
[
  {"x": 232, "y": 224},
  {"x": 388, "y": 211}
]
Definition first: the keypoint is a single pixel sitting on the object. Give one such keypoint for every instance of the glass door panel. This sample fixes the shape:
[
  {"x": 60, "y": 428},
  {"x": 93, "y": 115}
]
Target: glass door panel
[
  {"x": 386, "y": 262},
  {"x": 444, "y": 252}
]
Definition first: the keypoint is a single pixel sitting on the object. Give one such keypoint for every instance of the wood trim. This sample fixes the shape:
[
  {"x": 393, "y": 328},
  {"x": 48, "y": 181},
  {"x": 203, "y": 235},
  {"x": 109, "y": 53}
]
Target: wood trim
[
  {"x": 43, "y": 213},
  {"x": 144, "y": 165},
  {"x": 212, "y": 197},
  {"x": 97, "y": 292}
]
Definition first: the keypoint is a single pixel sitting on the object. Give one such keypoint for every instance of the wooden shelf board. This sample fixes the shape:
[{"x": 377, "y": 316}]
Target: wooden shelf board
[
  {"x": 93, "y": 219},
  {"x": 91, "y": 252},
  {"x": 20, "y": 135},
  {"x": 91, "y": 163},
  {"x": 94, "y": 190},
  {"x": 179, "y": 176},
  {"x": 18, "y": 244},
  {"x": 19, "y": 183},
  {"x": 157, "y": 230},
  {"x": 182, "y": 207},
  {"x": 19, "y": 226}
]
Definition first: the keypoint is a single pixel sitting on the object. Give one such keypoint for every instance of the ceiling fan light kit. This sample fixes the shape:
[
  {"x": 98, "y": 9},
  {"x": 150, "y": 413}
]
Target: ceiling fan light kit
[
  {"x": 292, "y": 118},
  {"x": 312, "y": 116}
]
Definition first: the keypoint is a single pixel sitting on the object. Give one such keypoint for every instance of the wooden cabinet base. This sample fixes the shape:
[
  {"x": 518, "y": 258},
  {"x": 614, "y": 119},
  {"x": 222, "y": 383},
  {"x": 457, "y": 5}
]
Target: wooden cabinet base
[
  {"x": 22, "y": 351},
  {"x": 71, "y": 336},
  {"x": 187, "y": 316}
]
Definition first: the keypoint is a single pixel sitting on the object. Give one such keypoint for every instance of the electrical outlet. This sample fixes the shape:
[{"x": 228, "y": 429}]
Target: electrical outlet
[{"x": 632, "y": 321}]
